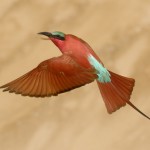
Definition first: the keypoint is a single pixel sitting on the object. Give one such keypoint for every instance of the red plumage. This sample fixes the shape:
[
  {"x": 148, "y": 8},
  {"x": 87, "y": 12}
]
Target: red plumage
[
  {"x": 117, "y": 92},
  {"x": 70, "y": 71},
  {"x": 51, "y": 77}
]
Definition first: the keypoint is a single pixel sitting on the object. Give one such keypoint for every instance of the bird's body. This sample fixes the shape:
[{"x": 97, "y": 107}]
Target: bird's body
[
  {"x": 77, "y": 48},
  {"x": 77, "y": 66}
]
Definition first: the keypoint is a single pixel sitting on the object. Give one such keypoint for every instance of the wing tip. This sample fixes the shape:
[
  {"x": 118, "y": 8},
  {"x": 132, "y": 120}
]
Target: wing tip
[{"x": 3, "y": 86}]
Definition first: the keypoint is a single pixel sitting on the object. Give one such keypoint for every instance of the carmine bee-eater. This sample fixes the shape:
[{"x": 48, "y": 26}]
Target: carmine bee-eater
[{"x": 77, "y": 66}]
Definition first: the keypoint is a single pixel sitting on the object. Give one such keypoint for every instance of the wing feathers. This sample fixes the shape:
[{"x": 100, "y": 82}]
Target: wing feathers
[
  {"x": 33, "y": 85},
  {"x": 51, "y": 77}
]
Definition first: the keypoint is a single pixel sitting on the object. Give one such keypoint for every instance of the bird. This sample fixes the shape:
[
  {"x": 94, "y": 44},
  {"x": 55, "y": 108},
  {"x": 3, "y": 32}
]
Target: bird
[{"x": 77, "y": 66}]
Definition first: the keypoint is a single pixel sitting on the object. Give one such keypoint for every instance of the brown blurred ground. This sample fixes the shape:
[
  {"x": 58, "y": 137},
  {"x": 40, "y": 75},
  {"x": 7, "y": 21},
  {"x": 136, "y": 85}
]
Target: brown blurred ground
[{"x": 119, "y": 31}]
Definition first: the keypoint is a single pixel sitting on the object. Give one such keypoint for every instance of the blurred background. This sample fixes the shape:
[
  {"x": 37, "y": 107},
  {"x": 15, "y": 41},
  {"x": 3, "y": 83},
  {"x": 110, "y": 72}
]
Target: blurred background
[{"x": 119, "y": 32}]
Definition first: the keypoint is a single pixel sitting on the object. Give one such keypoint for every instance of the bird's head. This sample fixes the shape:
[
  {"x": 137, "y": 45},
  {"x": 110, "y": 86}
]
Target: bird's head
[{"x": 57, "y": 37}]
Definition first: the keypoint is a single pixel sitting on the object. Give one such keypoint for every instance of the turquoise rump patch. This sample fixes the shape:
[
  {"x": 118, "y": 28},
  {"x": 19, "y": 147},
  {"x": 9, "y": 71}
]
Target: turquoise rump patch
[{"x": 102, "y": 72}]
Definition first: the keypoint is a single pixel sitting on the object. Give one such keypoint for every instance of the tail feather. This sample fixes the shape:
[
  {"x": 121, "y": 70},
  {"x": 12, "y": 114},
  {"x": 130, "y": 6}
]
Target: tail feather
[
  {"x": 138, "y": 110},
  {"x": 117, "y": 92},
  {"x": 123, "y": 85}
]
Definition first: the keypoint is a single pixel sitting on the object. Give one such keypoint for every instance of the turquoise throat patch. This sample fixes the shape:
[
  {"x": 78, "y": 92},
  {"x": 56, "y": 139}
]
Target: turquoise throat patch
[{"x": 102, "y": 72}]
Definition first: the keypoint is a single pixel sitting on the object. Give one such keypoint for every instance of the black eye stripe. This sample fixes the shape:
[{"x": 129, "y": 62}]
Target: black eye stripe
[{"x": 59, "y": 37}]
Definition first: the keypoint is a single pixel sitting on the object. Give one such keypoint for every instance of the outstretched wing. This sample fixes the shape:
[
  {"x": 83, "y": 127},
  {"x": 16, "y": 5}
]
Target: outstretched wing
[{"x": 51, "y": 77}]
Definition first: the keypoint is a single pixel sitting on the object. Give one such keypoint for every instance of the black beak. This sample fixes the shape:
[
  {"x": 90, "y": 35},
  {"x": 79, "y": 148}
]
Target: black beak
[{"x": 46, "y": 34}]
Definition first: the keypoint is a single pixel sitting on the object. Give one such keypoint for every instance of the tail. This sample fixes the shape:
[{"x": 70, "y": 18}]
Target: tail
[{"x": 117, "y": 92}]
